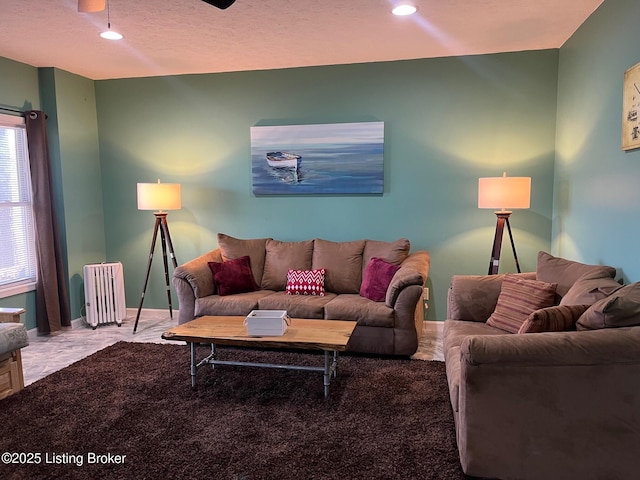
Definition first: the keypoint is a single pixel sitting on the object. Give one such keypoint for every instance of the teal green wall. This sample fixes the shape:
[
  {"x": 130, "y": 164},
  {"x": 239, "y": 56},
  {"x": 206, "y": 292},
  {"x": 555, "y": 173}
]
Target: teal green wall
[
  {"x": 18, "y": 85},
  {"x": 447, "y": 122},
  {"x": 69, "y": 102},
  {"x": 597, "y": 202}
]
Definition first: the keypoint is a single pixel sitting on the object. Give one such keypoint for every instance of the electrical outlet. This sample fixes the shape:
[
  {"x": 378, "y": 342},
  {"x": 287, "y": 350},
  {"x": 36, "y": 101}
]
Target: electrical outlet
[{"x": 425, "y": 293}]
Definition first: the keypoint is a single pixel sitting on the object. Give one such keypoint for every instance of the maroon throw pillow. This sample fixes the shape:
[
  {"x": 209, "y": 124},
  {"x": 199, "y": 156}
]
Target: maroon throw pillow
[
  {"x": 233, "y": 276},
  {"x": 376, "y": 280}
]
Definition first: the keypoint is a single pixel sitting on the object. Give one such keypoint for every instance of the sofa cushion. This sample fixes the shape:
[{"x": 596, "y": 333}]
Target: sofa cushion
[
  {"x": 392, "y": 252},
  {"x": 280, "y": 257},
  {"x": 376, "y": 279},
  {"x": 297, "y": 306},
  {"x": 12, "y": 337},
  {"x": 306, "y": 282},
  {"x": 559, "y": 318},
  {"x": 474, "y": 297},
  {"x": 518, "y": 299},
  {"x": 362, "y": 310},
  {"x": 239, "y": 304},
  {"x": 233, "y": 248},
  {"x": 564, "y": 272},
  {"x": 589, "y": 288},
  {"x": 233, "y": 276},
  {"x": 343, "y": 263},
  {"x": 455, "y": 331},
  {"x": 620, "y": 309}
]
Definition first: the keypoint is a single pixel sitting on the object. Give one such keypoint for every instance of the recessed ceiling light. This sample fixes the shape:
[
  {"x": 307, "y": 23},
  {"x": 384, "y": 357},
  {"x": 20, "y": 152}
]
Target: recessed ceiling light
[{"x": 404, "y": 9}]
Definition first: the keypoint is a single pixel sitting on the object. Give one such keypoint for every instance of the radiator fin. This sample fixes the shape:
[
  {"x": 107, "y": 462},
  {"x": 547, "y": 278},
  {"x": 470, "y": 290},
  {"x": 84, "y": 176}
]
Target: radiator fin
[{"x": 104, "y": 293}]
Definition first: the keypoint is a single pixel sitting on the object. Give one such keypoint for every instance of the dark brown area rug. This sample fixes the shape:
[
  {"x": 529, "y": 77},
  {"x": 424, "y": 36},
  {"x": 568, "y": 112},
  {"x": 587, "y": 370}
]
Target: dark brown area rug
[{"x": 128, "y": 411}]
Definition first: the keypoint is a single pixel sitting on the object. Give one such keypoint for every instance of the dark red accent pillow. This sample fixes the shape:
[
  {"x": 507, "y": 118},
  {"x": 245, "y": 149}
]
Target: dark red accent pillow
[
  {"x": 233, "y": 276},
  {"x": 376, "y": 280}
]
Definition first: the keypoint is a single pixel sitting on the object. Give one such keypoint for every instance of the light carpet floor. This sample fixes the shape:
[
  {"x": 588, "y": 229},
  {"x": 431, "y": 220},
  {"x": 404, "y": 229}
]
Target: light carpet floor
[{"x": 50, "y": 353}]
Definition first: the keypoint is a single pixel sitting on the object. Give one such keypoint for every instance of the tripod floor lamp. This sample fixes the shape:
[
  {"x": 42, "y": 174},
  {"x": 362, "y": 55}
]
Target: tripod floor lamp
[
  {"x": 159, "y": 197},
  {"x": 503, "y": 193}
]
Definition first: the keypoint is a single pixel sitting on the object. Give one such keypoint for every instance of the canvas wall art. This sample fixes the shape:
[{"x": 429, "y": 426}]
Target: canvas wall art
[{"x": 336, "y": 158}]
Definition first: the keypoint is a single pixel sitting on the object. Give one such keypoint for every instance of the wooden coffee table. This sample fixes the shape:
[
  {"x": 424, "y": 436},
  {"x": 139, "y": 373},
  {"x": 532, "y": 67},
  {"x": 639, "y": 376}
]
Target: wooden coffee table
[{"x": 330, "y": 336}]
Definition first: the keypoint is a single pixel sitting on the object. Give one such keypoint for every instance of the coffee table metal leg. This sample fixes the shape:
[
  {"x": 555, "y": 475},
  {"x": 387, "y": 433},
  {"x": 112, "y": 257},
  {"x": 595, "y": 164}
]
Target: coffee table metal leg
[
  {"x": 327, "y": 373},
  {"x": 329, "y": 370},
  {"x": 194, "y": 368}
]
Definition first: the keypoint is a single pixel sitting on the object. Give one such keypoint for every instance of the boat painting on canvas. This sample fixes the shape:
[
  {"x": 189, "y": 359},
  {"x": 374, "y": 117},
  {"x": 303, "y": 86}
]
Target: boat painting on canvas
[{"x": 335, "y": 158}]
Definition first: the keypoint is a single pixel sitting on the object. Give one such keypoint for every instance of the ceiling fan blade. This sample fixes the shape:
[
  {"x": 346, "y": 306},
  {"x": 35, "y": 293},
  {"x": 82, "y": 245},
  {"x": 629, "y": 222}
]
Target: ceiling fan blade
[
  {"x": 88, "y": 6},
  {"x": 220, "y": 3}
]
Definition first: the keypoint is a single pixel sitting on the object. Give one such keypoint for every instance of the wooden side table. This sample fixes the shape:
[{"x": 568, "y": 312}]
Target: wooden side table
[
  {"x": 11, "y": 376},
  {"x": 11, "y": 314}
]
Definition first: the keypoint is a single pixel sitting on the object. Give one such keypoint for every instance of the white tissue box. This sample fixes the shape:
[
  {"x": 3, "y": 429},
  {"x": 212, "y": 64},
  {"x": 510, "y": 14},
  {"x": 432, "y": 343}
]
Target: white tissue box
[{"x": 267, "y": 323}]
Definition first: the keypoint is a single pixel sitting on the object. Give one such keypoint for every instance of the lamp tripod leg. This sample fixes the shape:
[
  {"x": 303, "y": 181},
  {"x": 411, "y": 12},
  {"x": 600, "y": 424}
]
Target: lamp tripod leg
[
  {"x": 166, "y": 267},
  {"x": 165, "y": 227},
  {"x": 146, "y": 279},
  {"x": 494, "y": 264},
  {"x": 513, "y": 245}
]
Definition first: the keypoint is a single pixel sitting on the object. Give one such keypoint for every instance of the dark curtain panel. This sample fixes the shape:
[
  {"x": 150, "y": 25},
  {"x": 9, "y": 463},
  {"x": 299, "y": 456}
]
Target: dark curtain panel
[{"x": 52, "y": 301}]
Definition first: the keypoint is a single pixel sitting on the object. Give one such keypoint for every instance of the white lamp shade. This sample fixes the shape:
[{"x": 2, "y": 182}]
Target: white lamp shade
[
  {"x": 504, "y": 192},
  {"x": 159, "y": 196}
]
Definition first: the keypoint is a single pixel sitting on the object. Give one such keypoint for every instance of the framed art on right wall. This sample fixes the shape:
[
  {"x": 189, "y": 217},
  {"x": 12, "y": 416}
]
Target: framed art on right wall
[{"x": 630, "y": 108}]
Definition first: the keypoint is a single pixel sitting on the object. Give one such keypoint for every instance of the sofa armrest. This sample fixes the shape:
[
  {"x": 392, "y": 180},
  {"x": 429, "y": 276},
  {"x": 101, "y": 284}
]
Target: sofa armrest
[
  {"x": 197, "y": 273},
  {"x": 550, "y": 405},
  {"x": 194, "y": 280},
  {"x": 594, "y": 347},
  {"x": 474, "y": 297},
  {"x": 414, "y": 270}
]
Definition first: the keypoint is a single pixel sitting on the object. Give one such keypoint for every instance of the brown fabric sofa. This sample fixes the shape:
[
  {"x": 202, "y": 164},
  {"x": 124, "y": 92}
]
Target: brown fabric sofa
[
  {"x": 389, "y": 327},
  {"x": 551, "y": 405}
]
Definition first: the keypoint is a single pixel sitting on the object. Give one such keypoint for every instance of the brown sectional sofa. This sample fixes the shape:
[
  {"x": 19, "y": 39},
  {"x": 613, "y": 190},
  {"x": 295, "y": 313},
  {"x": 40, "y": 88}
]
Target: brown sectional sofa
[
  {"x": 549, "y": 405},
  {"x": 389, "y": 327}
]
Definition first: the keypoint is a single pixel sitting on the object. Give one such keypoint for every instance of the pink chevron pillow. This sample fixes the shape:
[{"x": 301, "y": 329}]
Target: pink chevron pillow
[{"x": 306, "y": 282}]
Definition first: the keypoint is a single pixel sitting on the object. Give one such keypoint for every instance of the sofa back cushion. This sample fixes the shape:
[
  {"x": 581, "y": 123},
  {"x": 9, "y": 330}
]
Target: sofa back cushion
[
  {"x": 589, "y": 288},
  {"x": 280, "y": 257},
  {"x": 474, "y": 297},
  {"x": 342, "y": 262},
  {"x": 620, "y": 309},
  {"x": 564, "y": 272},
  {"x": 392, "y": 252},
  {"x": 233, "y": 248}
]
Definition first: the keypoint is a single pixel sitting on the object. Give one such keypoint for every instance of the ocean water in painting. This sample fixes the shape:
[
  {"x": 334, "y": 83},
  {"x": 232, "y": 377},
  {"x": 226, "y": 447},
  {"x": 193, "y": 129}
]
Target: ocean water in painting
[{"x": 342, "y": 158}]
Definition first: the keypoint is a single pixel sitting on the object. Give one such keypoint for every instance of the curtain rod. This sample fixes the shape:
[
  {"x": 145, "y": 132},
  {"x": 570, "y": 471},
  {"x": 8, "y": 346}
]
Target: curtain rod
[{"x": 12, "y": 110}]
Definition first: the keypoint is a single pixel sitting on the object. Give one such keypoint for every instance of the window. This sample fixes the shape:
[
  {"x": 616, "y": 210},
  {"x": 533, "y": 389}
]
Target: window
[{"x": 18, "y": 266}]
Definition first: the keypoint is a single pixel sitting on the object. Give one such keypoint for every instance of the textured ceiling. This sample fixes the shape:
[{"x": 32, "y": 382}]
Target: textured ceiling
[{"x": 166, "y": 37}]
